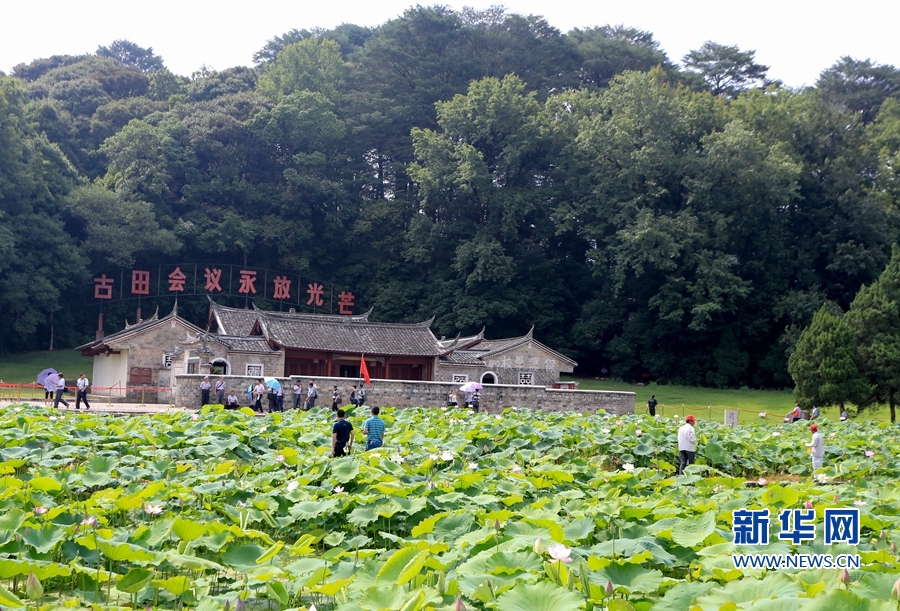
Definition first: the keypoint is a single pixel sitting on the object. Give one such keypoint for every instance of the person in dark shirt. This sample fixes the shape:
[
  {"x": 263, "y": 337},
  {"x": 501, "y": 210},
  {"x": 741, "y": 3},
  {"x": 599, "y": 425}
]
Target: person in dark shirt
[
  {"x": 651, "y": 405},
  {"x": 341, "y": 436}
]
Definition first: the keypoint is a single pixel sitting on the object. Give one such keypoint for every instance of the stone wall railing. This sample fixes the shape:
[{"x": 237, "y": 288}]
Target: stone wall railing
[{"x": 401, "y": 393}]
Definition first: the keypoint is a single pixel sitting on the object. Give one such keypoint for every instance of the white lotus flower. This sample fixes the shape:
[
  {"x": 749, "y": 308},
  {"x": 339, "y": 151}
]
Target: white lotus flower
[
  {"x": 293, "y": 486},
  {"x": 605, "y": 431},
  {"x": 433, "y": 457},
  {"x": 195, "y": 417},
  {"x": 628, "y": 467},
  {"x": 776, "y": 434},
  {"x": 263, "y": 429},
  {"x": 397, "y": 458},
  {"x": 820, "y": 478},
  {"x": 452, "y": 420},
  {"x": 153, "y": 509},
  {"x": 375, "y": 454},
  {"x": 859, "y": 503},
  {"x": 762, "y": 481},
  {"x": 279, "y": 458},
  {"x": 639, "y": 432},
  {"x": 473, "y": 465},
  {"x": 338, "y": 489},
  {"x": 498, "y": 417},
  {"x": 560, "y": 552},
  {"x": 53, "y": 418},
  {"x": 516, "y": 469},
  {"x": 446, "y": 455}
]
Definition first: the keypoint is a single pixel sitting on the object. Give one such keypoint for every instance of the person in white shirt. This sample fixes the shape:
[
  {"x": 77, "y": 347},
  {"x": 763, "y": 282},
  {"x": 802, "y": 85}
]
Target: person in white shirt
[
  {"x": 687, "y": 443},
  {"x": 83, "y": 386},
  {"x": 232, "y": 401},
  {"x": 204, "y": 391},
  {"x": 60, "y": 389},
  {"x": 220, "y": 391},
  {"x": 298, "y": 394},
  {"x": 258, "y": 391},
  {"x": 818, "y": 447}
]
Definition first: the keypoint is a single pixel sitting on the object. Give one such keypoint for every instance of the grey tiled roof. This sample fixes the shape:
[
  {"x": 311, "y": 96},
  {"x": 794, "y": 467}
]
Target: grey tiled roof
[
  {"x": 462, "y": 358},
  {"x": 240, "y": 321},
  {"x": 349, "y": 336},
  {"x": 130, "y": 330},
  {"x": 247, "y": 344}
]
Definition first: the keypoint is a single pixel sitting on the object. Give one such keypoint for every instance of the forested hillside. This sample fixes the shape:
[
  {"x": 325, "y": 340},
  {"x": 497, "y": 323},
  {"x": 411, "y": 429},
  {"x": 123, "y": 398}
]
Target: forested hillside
[{"x": 679, "y": 217}]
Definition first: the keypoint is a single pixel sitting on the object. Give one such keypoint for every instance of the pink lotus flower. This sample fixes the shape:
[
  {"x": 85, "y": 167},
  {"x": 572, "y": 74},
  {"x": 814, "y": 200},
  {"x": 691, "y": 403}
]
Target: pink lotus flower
[
  {"x": 153, "y": 509},
  {"x": 91, "y": 521},
  {"x": 560, "y": 552},
  {"x": 279, "y": 458},
  {"x": 870, "y": 453},
  {"x": 516, "y": 469},
  {"x": 39, "y": 511},
  {"x": 618, "y": 423},
  {"x": 808, "y": 505},
  {"x": 639, "y": 432}
]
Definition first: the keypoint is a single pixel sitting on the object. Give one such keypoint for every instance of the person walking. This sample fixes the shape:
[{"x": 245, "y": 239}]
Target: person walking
[
  {"x": 651, "y": 405},
  {"x": 476, "y": 401},
  {"x": 258, "y": 391},
  {"x": 817, "y": 443},
  {"x": 60, "y": 389},
  {"x": 374, "y": 430},
  {"x": 452, "y": 400},
  {"x": 311, "y": 395},
  {"x": 687, "y": 443},
  {"x": 204, "y": 391},
  {"x": 341, "y": 436},
  {"x": 361, "y": 396},
  {"x": 298, "y": 394},
  {"x": 220, "y": 391},
  {"x": 84, "y": 387},
  {"x": 279, "y": 398},
  {"x": 353, "y": 396}
]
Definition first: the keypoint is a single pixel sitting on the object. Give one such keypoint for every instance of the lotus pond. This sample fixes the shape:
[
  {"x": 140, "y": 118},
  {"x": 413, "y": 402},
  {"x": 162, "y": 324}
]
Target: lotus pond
[{"x": 511, "y": 512}]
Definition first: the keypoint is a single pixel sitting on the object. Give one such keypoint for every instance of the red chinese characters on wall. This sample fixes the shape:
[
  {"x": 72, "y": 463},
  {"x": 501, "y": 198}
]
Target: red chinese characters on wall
[
  {"x": 140, "y": 282},
  {"x": 345, "y": 302},
  {"x": 315, "y": 291},
  {"x": 103, "y": 287},
  {"x": 176, "y": 280},
  {"x": 282, "y": 287},
  {"x": 248, "y": 282},
  {"x": 212, "y": 277}
]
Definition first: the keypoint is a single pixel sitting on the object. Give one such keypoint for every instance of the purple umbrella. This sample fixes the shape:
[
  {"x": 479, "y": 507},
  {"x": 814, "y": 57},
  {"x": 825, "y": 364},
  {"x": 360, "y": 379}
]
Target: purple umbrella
[{"x": 42, "y": 376}]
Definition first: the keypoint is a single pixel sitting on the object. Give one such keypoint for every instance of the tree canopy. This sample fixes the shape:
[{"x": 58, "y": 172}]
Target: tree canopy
[{"x": 479, "y": 166}]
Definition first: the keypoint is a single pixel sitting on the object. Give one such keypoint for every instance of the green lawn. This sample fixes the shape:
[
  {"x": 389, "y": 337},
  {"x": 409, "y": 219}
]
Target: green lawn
[
  {"x": 23, "y": 368},
  {"x": 711, "y": 403}
]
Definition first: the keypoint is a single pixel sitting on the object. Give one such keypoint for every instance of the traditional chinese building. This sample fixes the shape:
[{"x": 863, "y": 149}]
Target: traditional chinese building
[{"x": 255, "y": 343}]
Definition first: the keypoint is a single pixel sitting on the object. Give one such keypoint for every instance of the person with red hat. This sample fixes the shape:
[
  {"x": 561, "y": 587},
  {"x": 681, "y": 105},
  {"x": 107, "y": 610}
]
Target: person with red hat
[
  {"x": 687, "y": 443},
  {"x": 818, "y": 447}
]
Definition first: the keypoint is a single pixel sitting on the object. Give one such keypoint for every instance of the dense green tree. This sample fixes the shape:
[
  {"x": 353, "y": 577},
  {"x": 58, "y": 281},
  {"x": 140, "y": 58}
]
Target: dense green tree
[
  {"x": 859, "y": 85},
  {"x": 135, "y": 56},
  {"x": 40, "y": 265},
  {"x": 726, "y": 69},
  {"x": 825, "y": 364},
  {"x": 610, "y": 50},
  {"x": 874, "y": 318},
  {"x": 311, "y": 64},
  {"x": 212, "y": 84}
]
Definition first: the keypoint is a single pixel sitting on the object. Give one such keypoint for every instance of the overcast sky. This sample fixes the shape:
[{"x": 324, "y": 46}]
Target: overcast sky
[{"x": 797, "y": 38}]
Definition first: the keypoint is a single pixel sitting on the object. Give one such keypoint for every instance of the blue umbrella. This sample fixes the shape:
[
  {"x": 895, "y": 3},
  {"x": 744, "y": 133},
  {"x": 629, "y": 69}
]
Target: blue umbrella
[
  {"x": 42, "y": 376},
  {"x": 250, "y": 393},
  {"x": 273, "y": 383}
]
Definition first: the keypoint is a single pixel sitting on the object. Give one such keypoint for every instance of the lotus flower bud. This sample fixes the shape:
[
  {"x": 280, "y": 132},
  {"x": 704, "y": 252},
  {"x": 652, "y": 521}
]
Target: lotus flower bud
[
  {"x": 836, "y": 499},
  {"x": 893, "y": 547},
  {"x": 33, "y": 588},
  {"x": 496, "y": 524},
  {"x": 227, "y": 605},
  {"x": 239, "y": 605},
  {"x": 312, "y": 607},
  {"x": 808, "y": 505},
  {"x": 883, "y": 534},
  {"x": 538, "y": 548},
  {"x": 895, "y": 591},
  {"x": 609, "y": 588},
  {"x": 459, "y": 605},
  {"x": 845, "y": 577}
]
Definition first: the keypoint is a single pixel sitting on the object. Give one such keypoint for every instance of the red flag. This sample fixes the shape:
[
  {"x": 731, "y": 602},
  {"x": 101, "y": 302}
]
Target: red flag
[{"x": 364, "y": 371}]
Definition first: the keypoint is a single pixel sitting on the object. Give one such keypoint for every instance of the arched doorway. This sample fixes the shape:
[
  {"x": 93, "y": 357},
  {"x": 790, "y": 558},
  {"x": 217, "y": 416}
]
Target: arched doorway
[
  {"x": 219, "y": 367},
  {"x": 489, "y": 377}
]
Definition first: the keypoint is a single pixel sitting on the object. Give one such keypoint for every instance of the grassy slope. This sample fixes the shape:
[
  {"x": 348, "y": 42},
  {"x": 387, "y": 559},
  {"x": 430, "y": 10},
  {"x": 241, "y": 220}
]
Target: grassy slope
[
  {"x": 683, "y": 400},
  {"x": 23, "y": 368}
]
